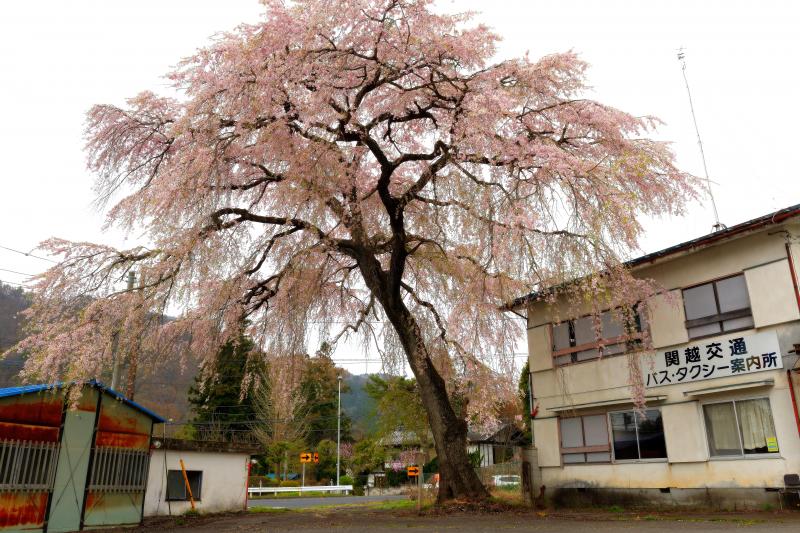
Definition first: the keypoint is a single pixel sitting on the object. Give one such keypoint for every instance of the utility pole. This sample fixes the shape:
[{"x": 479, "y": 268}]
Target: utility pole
[
  {"x": 115, "y": 357},
  {"x": 133, "y": 356},
  {"x": 339, "y": 433}
]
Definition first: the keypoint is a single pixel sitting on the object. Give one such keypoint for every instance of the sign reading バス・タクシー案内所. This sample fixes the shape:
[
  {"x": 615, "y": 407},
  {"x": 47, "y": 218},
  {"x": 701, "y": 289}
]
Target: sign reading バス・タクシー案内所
[{"x": 716, "y": 357}]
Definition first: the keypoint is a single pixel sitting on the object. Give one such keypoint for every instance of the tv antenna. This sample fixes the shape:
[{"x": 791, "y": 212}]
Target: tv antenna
[{"x": 717, "y": 224}]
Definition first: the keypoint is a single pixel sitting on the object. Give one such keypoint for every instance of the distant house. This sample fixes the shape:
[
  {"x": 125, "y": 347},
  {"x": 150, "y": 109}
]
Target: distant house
[
  {"x": 72, "y": 462},
  {"x": 496, "y": 447},
  {"x": 403, "y": 449},
  {"x": 217, "y": 473}
]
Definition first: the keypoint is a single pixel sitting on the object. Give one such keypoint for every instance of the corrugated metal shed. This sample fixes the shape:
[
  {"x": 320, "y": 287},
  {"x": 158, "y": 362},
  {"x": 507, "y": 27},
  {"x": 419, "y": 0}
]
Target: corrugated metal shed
[{"x": 68, "y": 465}]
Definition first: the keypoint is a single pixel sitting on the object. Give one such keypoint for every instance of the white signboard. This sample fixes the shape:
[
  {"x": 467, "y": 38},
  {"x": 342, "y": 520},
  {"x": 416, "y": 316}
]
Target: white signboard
[{"x": 716, "y": 357}]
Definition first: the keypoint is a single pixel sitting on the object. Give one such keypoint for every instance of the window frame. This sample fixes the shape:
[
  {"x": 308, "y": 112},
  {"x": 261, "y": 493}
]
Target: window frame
[
  {"x": 608, "y": 448},
  {"x": 196, "y": 497},
  {"x": 632, "y": 341},
  {"x": 718, "y": 318},
  {"x": 614, "y": 459},
  {"x": 742, "y": 455}
]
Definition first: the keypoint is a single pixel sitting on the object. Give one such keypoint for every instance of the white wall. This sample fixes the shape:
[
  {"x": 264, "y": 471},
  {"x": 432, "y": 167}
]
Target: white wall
[{"x": 224, "y": 484}]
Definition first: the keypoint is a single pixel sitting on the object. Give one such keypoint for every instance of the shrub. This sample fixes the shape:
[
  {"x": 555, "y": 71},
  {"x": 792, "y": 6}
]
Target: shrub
[
  {"x": 345, "y": 480},
  {"x": 290, "y": 483}
]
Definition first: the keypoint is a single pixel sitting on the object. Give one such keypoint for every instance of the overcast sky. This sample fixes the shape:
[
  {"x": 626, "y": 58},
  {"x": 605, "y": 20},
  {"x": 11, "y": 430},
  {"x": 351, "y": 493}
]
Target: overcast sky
[{"x": 58, "y": 58}]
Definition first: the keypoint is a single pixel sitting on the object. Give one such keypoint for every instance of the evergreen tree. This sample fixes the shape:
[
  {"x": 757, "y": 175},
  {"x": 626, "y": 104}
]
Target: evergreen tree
[
  {"x": 320, "y": 391},
  {"x": 219, "y": 408}
]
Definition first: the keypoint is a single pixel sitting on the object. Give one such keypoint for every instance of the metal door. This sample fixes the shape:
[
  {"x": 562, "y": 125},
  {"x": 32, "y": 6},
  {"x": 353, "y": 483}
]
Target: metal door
[{"x": 66, "y": 504}]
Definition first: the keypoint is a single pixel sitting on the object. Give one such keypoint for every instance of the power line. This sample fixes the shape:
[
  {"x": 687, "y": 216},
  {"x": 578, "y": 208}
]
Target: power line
[
  {"x": 27, "y": 254},
  {"x": 13, "y": 283},
  {"x": 16, "y": 272}
]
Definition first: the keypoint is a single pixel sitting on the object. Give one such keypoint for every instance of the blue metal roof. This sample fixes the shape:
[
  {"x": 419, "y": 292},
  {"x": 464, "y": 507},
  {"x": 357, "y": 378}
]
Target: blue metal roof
[{"x": 26, "y": 389}]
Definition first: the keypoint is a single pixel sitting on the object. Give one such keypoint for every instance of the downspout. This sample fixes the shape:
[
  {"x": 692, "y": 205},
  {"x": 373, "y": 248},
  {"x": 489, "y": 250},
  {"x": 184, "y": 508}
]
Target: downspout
[
  {"x": 794, "y": 399},
  {"x": 247, "y": 482},
  {"x": 793, "y": 274}
]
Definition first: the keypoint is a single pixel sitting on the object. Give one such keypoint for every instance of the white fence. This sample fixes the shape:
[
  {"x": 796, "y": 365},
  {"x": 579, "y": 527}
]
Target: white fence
[{"x": 347, "y": 489}]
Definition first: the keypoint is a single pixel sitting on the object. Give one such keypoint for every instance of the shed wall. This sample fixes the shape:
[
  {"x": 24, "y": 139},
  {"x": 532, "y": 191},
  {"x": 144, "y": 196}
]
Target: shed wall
[{"x": 224, "y": 485}]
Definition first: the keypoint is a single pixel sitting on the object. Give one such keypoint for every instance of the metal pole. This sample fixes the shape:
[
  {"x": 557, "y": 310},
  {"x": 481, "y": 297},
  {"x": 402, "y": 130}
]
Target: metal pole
[
  {"x": 419, "y": 488},
  {"x": 339, "y": 433},
  {"x": 717, "y": 224},
  {"x": 115, "y": 343},
  {"x": 303, "y": 482}
]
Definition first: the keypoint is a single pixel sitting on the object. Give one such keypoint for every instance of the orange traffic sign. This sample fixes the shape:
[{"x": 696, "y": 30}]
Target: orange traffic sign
[
  {"x": 316, "y": 457},
  {"x": 305, "y": 457},
  {"x": 413, "y": 471}
]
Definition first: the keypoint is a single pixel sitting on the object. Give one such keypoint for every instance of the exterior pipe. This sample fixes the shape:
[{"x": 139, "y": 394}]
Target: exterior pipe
[
  {"x": 793, "y": 274},
  {"x": 794, "y": 399}
]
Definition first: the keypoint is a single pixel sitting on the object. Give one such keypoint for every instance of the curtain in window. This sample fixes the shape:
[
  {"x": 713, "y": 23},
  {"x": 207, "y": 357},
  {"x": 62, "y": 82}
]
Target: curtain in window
[
  {"x": 721, "y": 427},
  {"x": 755, "y": 421}
]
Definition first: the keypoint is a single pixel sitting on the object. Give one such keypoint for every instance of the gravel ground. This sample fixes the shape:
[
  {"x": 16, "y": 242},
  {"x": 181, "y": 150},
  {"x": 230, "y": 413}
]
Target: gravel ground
[{"x": 364, "y": 520}]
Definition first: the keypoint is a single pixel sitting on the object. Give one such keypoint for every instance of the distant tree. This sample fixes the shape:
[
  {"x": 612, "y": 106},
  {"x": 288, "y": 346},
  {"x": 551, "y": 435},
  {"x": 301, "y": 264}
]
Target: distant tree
[
  {"x": 398, "y": 407},
  {"x": 525, "y": 400},
  {"x": 221, "y": 407},
  {"x": 13, "y": 300},
  {"x": 320, "y": 393}
]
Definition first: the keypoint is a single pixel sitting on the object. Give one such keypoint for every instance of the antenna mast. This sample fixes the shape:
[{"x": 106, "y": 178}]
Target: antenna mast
[{"x": 717, "y": 224}]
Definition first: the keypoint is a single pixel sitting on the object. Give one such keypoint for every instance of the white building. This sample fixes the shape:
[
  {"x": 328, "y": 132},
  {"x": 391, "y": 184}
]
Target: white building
[
  {"x": 722, "y": 391},
  {"x": 217, "y": 473}
]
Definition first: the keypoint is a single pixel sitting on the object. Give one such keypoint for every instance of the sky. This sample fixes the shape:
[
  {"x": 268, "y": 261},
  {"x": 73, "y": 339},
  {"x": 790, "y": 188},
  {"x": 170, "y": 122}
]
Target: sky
[{"x": 59, "y": 58}]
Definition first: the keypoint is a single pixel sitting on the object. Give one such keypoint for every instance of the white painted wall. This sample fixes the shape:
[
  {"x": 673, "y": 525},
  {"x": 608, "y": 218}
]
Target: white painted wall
[
  {"x": 224, "y": 485},
  {"x": 762, "y": 257}
]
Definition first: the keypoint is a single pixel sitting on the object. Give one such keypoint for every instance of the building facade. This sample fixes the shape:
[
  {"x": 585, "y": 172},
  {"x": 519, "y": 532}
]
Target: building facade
[
  {"x": 720, "y": 425},
  {"x": 71, "y": 462},
  {"x": 217, "y": 473}
]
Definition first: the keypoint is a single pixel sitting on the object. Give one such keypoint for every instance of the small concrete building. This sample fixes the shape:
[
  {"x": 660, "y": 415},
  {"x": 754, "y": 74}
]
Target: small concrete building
[
  {"x": 217, "y": 473},
  {"x": 71, "y": 463},
  {"x": 720, "y": 426}
]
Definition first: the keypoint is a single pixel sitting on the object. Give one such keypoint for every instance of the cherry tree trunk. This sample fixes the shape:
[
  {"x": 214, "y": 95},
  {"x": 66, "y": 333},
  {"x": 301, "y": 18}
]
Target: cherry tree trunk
[{"x": 457, "y": 477}]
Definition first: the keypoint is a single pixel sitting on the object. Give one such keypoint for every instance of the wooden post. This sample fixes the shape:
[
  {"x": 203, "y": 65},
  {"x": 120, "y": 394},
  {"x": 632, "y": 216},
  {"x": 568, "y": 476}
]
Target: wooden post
[{"x": 188, "y": 488}]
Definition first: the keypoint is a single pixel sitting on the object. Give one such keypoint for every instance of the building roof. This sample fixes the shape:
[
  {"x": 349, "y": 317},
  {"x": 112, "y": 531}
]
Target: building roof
[
  {"x": 185, "y": 445},
  {"x": 689, "y": 246},
  {"x": 506, "y": 434},
  {"x": 27, "y": 389}
]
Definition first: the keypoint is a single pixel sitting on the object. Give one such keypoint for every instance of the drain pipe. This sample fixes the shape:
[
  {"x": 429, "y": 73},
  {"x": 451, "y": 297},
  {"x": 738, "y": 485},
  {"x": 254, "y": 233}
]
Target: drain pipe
[
  {"x": 793, "y": 274},
  {"x": 794, "y": 399}
]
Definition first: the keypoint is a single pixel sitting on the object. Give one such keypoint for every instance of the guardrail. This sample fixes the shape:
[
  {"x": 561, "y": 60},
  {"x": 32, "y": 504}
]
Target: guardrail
[{"x": 279, "y": 490}]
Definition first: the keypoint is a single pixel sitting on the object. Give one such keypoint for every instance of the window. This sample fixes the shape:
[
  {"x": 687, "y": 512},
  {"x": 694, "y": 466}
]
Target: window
[
  {"x": 718, "y": 306},
  {"x": 742, "y": 427},
  {"x": 176, "y": 487},
  {"x": 584, "y": 439},
  {"x": 576, "y": 340},
  {"x": 27, "y": 465},
  {"x": 638, "y": 435},
  {"x": 119, "y": 469}
]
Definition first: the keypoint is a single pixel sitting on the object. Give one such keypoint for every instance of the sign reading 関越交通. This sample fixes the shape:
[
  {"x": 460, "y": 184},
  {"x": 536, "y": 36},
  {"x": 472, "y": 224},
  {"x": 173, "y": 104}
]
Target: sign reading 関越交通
[{"x": 716, "y": 357}]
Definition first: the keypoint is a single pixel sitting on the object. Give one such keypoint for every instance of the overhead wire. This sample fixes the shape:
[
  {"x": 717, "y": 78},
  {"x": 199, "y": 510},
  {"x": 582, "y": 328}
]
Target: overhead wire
[{"x": 27, "y": 254}]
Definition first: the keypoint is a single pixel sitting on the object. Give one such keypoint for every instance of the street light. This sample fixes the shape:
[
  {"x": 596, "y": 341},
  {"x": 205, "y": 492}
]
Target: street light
[{"x": 339, "y": 431}]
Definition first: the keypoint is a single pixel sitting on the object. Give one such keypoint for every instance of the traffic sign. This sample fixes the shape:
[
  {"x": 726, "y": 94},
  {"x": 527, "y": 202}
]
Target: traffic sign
[
  {"x": 413, "y": 471},
  {"x": 305, "y": 457},
  {"x": 316, "y": 457}
]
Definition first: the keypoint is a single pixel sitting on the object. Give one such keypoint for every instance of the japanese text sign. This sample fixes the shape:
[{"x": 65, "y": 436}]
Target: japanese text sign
[{"x": 715, "y": 357}]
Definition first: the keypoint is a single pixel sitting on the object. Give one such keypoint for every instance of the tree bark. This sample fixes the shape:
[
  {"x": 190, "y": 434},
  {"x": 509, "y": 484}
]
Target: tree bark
[{"x": 457, "y": 477}]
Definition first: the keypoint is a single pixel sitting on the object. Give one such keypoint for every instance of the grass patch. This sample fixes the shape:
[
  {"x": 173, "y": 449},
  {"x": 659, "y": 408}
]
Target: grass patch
[
  {"x": 269, "y": 510},
  {"x": 291, "y": 495},
  {"x": 615, "y": 509}
]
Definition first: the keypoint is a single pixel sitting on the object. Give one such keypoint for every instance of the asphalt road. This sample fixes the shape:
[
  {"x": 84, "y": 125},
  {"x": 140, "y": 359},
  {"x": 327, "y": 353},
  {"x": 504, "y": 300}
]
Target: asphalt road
[{"x": 300, "y": 503}]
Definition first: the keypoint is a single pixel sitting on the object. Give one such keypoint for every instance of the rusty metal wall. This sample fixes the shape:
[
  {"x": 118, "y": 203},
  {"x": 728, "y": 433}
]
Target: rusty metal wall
[
  {"x": 121, "y": 444},
  {"x": 28, "y": 424}
]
